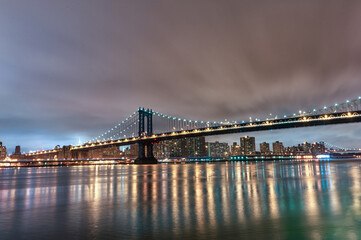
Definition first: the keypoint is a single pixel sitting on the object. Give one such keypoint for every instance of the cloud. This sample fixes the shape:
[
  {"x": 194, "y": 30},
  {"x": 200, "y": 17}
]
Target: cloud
[{"x": 72, "y": 68}]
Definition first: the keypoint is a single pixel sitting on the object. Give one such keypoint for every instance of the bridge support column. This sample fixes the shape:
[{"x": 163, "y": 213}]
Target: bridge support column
[
  {"x": 145, "y": 158},
  {"x": 142, "y": 157}
]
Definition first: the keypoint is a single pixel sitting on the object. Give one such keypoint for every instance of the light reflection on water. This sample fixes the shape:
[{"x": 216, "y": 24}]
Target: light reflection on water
[{"x": 273, "y": 200}]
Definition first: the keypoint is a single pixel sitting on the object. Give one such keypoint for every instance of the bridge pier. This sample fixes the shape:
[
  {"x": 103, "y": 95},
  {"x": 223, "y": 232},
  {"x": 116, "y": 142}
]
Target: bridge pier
[{"x": 144, "y": 158}]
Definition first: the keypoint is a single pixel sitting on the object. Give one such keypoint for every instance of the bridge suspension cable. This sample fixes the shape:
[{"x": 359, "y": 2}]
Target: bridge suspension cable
[{"x": 162, "y": 123}]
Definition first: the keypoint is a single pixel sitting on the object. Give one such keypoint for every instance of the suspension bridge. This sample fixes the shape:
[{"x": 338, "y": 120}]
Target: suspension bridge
[{"x": 146, "y": 127}]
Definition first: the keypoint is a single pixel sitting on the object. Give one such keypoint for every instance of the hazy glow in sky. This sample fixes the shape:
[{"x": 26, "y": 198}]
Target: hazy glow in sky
[{"x": 71, "y": 69}]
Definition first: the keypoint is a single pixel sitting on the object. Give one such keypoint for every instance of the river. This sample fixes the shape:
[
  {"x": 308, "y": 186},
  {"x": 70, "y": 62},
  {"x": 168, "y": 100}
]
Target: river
[{"x": 228, "y": 200}]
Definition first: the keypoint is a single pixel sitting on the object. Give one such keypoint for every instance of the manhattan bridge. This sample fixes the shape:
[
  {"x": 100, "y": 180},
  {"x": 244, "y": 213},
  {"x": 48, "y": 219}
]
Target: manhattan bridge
[{"x": 146, "y": 127}]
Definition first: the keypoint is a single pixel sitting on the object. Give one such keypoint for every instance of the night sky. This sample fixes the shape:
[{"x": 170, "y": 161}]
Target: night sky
[{"x": 71, "y": 69}]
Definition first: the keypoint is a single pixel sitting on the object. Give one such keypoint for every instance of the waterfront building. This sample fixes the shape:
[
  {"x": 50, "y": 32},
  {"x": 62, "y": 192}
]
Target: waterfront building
[
  {"x": 184, "y": 147},
  {"x": 195, "y": 146},
  {"x": 235, "y": 149},
  {"x": 248, "y": 145},
  {"x": 217, "y": 149},
  {"x": 109, "y": 152},
  {"x": 264, "y": 148},
  {"x": 2, "y": 151},
  {"x": 17, "y": 150},
  {"x": 318, "y": 148},
  {"x": 307, "y": 148},
  {"x": 278, "y": 148},
  {"x": 294, "y": 150},
  {"x": 160, "y": 149},
  {"x": 131, "y": 151}
]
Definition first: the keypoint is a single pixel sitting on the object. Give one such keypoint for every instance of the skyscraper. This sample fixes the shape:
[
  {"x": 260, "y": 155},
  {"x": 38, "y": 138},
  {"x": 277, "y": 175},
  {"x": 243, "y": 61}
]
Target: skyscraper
[
  {"x": 235, "y": 149},
  {"x": 217, "y": 149},
  {"x": 2, "y": 151},
  {"x": 183, "y": 147},
  {"x": 248, "y": 145},
  {"x": 17, "y": 150},
  {"x": 264, "y": 148},
  {"x": 278, "y": 148}
]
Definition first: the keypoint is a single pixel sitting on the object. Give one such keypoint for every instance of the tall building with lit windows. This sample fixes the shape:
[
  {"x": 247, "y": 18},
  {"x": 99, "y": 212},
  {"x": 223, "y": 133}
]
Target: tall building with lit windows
[
  {"x": 264, "y": 148},
  {"x": 248, "y": 145},
  {"x": 217, "y": 149},
  {"x": 184, "y": 147},
  {"x": 278, "y": 148},
  {"x": 235, "y": 149},
  {"x": 2, "y": 151},
  {"x": 318, "y": 148}
]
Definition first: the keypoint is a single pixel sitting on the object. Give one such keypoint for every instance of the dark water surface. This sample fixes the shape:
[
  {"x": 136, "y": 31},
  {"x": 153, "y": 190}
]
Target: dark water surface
[{"x": 270, "y": 200}]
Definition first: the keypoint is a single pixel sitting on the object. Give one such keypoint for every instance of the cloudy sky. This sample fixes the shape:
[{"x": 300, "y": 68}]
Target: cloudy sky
[{"x": 73, "y": 68}]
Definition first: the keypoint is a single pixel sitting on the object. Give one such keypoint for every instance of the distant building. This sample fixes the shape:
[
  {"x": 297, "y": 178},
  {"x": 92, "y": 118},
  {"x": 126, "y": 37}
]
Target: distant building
[
  {"x": 108, "y": 152},
  {"x": 248, "y": 145},
  {"x": 318, "y": 148},
  {"x": 294, "y": 150},
  {"x": 184, "y": 147},
  {"x": 264, "y": 148},
  {"x": 278, "y": 148},
  {"x": 132, "y": 151},
  {"x": 235, "y": 149},
  {"x": 17, "y": 150},
  {"x": 217, "y": 149},
  {"x": 307, "y": 148},
  {"x": 195, "y": 146},
  {"x": 2, "y": 151}
]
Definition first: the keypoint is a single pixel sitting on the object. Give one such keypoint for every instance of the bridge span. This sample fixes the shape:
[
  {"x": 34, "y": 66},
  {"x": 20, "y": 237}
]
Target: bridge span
[{"x": 142, "y": 121}]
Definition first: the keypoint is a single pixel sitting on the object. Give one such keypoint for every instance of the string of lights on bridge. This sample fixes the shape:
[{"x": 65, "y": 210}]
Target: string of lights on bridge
[
  {"x": 126, "y": 132},
  {"x": 166, "y": 123}
]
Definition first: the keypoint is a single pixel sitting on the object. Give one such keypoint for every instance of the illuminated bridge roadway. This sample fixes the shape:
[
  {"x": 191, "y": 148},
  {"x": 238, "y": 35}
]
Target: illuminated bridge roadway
[{"x": 145, "y": 127}]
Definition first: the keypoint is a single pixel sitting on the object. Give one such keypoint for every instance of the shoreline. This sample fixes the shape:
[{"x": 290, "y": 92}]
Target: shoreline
[{"x": 69, "y": 162}]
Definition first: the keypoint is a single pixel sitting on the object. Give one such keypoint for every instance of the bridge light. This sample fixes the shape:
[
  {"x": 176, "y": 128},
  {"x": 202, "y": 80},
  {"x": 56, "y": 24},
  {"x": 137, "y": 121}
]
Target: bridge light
[
  {"x": 347, "y": 101},
  {"x": 284, "y": 116},
  {"x": 324, "y": 107},
  {"x": 314, "y": 110},
  {"x": 336, "y": 104}
]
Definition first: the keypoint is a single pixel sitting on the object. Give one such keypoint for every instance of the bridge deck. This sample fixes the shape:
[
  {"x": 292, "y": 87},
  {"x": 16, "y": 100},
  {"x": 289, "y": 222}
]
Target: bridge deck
[{"x": 293, "y": 122}]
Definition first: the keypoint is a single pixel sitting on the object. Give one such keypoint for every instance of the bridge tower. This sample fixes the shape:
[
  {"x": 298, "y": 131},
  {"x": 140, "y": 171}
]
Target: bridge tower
[{"x": 145, "y": 157}]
